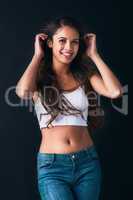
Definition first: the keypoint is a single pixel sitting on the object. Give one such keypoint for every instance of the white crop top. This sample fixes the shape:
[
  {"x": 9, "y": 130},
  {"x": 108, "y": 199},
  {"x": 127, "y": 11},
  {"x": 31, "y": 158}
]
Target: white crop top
[{"x": 77, "y": 98}]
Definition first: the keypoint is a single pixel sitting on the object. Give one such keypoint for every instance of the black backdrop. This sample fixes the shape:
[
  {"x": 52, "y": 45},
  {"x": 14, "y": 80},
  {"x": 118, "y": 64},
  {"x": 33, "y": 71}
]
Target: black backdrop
[{"x": 19, "y": 131}]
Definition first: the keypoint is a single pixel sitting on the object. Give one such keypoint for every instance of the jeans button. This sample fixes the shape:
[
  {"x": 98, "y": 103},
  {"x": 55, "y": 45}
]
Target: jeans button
[{"x": 73, "y": 156}]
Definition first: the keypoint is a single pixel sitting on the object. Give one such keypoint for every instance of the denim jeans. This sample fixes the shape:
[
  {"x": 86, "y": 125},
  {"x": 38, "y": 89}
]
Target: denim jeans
[{"x": 69, "y": 176}]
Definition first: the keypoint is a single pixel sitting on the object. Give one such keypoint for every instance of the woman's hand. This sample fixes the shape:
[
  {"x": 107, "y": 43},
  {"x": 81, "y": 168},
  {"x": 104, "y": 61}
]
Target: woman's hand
[
  {"x": 39, "y": 40},
  {"x": 90, "y": 41}
]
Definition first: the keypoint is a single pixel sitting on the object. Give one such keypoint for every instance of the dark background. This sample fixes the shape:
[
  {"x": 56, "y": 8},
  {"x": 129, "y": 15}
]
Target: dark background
[{"x": 20, "y": 136}]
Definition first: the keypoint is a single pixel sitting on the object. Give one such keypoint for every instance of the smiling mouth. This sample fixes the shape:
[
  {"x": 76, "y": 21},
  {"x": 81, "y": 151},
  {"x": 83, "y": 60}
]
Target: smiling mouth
[{"x": 68, "y": 55}]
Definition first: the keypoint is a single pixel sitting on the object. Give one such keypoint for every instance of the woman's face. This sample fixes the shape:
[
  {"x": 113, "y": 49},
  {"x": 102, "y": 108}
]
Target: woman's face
[{"x": 65, "y": 44}]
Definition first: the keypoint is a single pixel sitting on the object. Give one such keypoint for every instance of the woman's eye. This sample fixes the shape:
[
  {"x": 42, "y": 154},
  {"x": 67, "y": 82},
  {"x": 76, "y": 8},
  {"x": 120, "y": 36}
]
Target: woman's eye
[
  {"x": 73, "y": 42},
  {"x": 76, "y": 42},
  {"x": 62, "y": 41}
]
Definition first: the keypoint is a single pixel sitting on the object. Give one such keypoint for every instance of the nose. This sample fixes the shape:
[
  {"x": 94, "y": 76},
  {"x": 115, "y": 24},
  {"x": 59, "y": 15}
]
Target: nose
[{"x": 68, "y": 46}]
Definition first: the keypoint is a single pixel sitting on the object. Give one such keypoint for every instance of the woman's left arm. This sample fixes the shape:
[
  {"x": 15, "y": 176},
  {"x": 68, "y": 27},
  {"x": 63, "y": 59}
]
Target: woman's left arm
[{"x": 107, "y": 84}]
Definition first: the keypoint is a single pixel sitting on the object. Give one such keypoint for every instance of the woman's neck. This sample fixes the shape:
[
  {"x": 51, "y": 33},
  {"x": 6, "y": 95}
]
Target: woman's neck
[{"x": 60, "y": 69}]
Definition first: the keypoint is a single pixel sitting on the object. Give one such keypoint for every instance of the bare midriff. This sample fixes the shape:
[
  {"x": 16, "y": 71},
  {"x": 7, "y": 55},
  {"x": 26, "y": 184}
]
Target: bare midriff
[{"x": 64, "y": 139}]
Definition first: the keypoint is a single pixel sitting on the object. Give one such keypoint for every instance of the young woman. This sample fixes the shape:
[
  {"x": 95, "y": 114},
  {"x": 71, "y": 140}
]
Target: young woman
[{"x": 65, "y": 68}]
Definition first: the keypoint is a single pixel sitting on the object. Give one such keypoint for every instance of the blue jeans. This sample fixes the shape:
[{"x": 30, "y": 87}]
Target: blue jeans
[{"x": 69, "y": 176}]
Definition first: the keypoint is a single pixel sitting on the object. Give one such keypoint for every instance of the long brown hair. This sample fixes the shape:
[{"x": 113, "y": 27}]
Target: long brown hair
[{"x": 46, "y": 79}]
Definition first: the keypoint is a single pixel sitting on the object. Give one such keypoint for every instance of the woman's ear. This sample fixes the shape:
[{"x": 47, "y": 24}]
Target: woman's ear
[{"x": 49, "y": 43}]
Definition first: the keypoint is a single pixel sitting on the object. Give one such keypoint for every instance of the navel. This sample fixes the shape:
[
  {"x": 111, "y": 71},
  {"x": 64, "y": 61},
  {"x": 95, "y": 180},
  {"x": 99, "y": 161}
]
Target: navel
[{"x": 68, "y": 141}]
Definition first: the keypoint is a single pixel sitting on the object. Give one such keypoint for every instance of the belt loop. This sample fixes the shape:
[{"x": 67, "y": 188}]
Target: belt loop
[
  {"x": 53, "y": 157},
  {"x": 87, "y": 151}
]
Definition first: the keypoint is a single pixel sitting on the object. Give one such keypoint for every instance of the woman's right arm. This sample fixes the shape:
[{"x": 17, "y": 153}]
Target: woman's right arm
[{"x": 26, "y": 86}]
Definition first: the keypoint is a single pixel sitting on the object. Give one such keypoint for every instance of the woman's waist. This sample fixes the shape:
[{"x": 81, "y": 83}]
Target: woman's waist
[
  {"x": 65, "y": 139},
  {"x": 61, "y": 133}
]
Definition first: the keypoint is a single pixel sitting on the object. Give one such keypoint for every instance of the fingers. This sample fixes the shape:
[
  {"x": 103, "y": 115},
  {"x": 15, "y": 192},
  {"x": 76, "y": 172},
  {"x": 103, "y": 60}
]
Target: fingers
[
  {"x": 88, "y": 35},
  {"x": 42, "y": 36}
]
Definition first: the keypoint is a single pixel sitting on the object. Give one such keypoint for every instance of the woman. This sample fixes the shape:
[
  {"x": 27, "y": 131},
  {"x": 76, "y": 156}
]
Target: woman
[{"x": 59, "y": 80}]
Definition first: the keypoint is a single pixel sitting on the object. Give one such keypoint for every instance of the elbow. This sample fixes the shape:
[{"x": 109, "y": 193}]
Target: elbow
[
  {"x": 116, "y": 94},
  {"x": 20, "y": 94},
  {"x": 23, "y": 93}
]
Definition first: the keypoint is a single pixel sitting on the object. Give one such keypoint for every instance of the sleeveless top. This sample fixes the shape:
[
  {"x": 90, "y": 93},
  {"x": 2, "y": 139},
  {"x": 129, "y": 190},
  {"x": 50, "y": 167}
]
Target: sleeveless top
[{"x": 77, "y": 98}]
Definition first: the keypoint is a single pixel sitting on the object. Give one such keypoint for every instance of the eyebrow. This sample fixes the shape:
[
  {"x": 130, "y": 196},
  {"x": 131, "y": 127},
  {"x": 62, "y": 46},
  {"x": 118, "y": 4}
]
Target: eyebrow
[{"x": 66, "y": 38}]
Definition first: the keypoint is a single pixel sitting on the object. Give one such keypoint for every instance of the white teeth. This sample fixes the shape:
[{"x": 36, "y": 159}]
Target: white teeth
[{"x": 67, "y": 54}]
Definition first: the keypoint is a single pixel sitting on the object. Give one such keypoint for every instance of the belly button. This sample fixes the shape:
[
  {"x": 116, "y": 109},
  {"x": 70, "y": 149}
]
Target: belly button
[{"x": 68, "y": 141}]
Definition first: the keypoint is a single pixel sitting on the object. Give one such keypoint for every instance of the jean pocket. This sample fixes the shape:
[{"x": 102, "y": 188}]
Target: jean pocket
[{"x": 45, "y": 161}]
